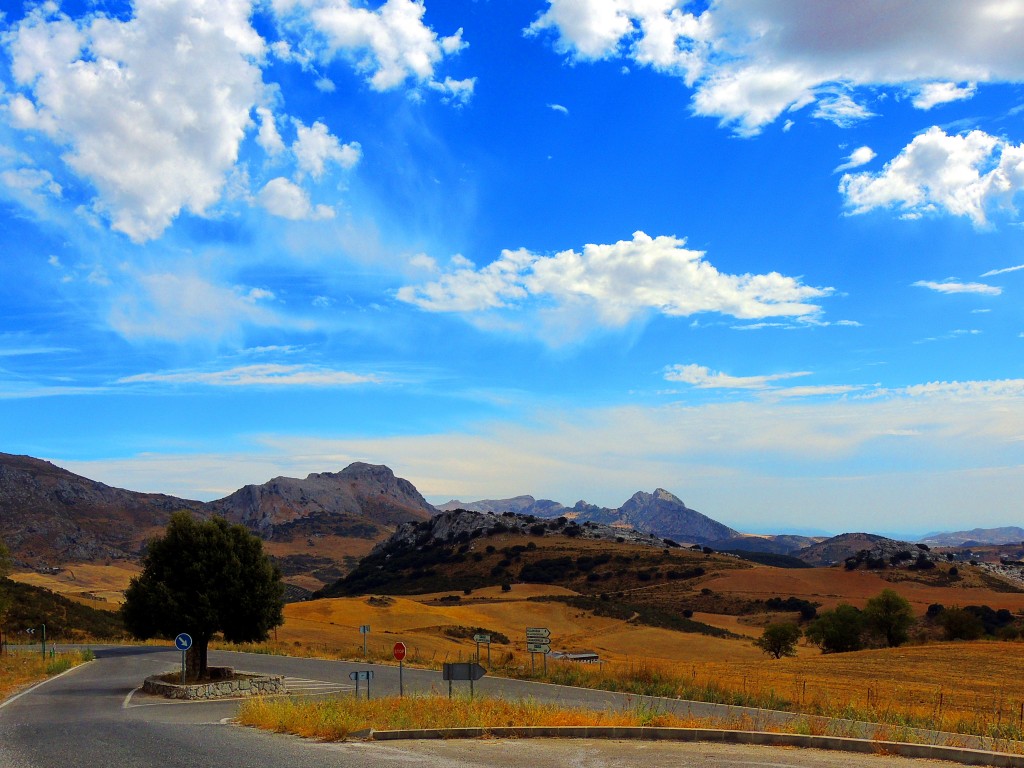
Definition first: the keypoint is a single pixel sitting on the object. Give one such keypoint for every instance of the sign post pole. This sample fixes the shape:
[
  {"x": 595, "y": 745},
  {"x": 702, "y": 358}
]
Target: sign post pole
[
  {"x": 183, "y": 642},
  {"x": 364, "y": 630},
  {"x": 399, "y": 651},
  {"x": 43, "y": 641}
]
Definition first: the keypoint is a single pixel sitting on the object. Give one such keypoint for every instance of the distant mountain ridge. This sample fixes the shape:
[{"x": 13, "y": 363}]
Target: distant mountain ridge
[
  {"x": 660, "y": 513},
  {"x": 50, "y": 516},
  {"x": 1011, "y": 534}
]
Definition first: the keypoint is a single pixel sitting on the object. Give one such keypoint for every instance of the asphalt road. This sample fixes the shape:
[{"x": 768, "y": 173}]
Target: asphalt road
[{"x": 94, "y": 716}]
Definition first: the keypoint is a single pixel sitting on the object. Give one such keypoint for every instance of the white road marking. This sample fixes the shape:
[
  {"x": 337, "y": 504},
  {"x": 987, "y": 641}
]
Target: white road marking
[{"x": 40, "y": 685}]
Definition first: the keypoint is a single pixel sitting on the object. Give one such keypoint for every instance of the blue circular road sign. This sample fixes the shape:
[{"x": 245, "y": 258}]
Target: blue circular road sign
[{"x": 183, "y": 641}]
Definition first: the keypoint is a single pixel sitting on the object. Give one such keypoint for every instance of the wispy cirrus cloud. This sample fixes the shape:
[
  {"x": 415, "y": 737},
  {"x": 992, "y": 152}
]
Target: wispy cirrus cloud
[
  {"x": 1003, "y": 271},
  {"x": 954, "y": 286},
  {"x": 259, "y": 375},
  {"x": 702, "y": 377}
]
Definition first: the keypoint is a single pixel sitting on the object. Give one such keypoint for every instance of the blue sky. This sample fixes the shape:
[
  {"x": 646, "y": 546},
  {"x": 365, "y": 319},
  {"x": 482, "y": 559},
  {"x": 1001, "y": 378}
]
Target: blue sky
[{"x": 766, "y": 255}]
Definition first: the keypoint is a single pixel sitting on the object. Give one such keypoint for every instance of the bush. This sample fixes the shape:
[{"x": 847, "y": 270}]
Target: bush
[
  {"x": 838, "y": 630},
  {"x": 960, "y": 624},
  {"x": 506, "y": 587},
  {"x": 889, "y": 615}
]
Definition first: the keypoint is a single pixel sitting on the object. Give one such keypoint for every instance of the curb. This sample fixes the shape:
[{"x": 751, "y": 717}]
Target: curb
[{"x": 841, "y": 744}]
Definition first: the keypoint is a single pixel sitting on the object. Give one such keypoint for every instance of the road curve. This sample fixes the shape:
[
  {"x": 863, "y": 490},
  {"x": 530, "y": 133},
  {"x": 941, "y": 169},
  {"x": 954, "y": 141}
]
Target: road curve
[{"x": 94, "y": 716}]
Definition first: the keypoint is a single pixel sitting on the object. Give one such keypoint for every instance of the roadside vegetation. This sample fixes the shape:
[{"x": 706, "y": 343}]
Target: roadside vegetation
[
  {"x": 342, "y": 718},
  {"x": 23, "y": 668}
]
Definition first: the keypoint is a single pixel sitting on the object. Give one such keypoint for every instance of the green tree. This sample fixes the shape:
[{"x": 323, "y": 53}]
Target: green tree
[
  {"x": 890, "y": 616},
  {"x": 960, "y": 624},
  {"x": 779, "y": 640},
  {"x": 203, "y": 577},
  {"x": 838, "y": 630}
]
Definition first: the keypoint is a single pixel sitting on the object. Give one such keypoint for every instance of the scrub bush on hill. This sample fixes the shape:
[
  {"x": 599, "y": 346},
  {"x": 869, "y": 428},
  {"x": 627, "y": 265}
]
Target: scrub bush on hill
[{"x": 64, "y": 619}]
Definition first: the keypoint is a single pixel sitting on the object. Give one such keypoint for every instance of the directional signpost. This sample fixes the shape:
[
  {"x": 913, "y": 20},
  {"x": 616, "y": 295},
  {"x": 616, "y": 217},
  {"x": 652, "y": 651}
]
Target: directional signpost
[
  {"x": 538, "y": 640},
  {"x": 466, "y": 670},
  {"x": 183, "y": 642},
  {"x": 366, "y": 675},
  {"x": 399, "y": 651},
  {"x": 483, "y": 639},
  {"x": 364, "y": 630}
]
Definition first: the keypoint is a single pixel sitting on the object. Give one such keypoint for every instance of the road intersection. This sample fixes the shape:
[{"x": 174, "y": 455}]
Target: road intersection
[{"x": 96, "y": 715}]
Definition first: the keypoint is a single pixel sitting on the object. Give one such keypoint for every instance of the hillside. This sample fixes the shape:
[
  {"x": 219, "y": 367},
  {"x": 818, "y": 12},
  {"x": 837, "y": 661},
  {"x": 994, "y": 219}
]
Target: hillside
[
  {"x": 613, "y": 572},
  {"x": 65, "y": 619},
  {"x": 839, "y": 548},
  {"x": 975, "y": 537},
  {"x": 49, "y": 515},
  {"x": 316, "y": 528}
]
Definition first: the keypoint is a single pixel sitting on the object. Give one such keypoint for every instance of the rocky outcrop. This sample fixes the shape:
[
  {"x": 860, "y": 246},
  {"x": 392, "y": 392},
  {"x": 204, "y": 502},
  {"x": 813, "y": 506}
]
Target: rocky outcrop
[
  {"x": 361, "y": 501},
  {"x": 49, "y": 515},
  {"x": 463, "y": 525},
  {"x": 660, "y": 513}
]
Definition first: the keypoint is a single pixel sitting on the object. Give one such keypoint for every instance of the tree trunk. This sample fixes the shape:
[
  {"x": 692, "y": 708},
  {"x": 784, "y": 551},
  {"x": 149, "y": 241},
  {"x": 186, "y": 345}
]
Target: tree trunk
[{"x": 195, "y": 659}]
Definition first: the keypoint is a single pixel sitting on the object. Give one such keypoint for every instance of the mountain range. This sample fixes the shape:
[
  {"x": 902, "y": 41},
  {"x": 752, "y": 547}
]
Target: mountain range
[
  {"x": 661, "y": 513},
  {"x": 50, "y": 516},
  {"x": 324, "y": 522}
]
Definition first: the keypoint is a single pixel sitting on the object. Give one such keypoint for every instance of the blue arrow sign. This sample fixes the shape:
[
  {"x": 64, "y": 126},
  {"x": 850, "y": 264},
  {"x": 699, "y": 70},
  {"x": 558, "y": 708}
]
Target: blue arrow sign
[{"x": 183, "y": 641}]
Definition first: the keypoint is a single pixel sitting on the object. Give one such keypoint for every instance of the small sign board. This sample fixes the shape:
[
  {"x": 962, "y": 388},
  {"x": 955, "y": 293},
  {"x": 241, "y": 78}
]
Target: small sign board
[
  {"x": 537, "y": 633},
  {"x": 364, "y": 675},
  {"x": 183, "y": 641},
  {"x": 538, "y": 647},
  {"x": 364, "y": 629},
  {"x": 481, "y": 638},
  {"x": 399, "y": 651},
  {"x": 462, "y": 671}
]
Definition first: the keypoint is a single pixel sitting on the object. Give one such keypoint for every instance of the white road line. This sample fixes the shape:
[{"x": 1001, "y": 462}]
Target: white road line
[{"x": 40, "y": 685}]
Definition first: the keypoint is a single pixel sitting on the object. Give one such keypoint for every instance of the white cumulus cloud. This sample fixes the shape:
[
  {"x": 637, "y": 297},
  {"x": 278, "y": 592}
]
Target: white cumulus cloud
[
  {"x": 751, "y": 61},
  {"x": 286, "y": 199},
  {"x": 315, "y": 147},
  {"x": 151, "y": 109},
  {"x": 963, "y": 175},
  {"x": 391, "y": 44},
  {"x": 860, "y": 156},
  {"x": 615, "y": 284},
  {"x": 932, "y": 94}
]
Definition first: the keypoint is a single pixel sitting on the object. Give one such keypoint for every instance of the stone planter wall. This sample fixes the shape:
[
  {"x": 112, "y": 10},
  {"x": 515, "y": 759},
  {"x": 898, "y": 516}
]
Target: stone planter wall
[{"x": 232, "y": 686}]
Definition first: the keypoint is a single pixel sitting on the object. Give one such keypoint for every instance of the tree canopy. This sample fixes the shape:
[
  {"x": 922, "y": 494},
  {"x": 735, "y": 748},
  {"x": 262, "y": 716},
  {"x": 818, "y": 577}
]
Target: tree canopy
[
  {"x": 779, "y": 640},
  {"x": 838, "y": 630},
  {"x": 889, "y": 615},
  {"x": 204, "y": 577}
]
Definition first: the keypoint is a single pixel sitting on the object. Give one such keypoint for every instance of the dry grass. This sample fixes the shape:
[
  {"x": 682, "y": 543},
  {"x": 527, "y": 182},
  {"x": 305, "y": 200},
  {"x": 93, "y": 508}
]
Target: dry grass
[
  {"x": 341, "y": 718},
  {"x": 335, "y": 719},
  {"x": 99, "y": 586},
  {"x": 19, "y": 670}
]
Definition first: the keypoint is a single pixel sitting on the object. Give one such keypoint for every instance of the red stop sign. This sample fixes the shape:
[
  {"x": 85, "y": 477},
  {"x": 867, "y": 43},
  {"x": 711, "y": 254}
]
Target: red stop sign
[{"x": 399, "y": 651}]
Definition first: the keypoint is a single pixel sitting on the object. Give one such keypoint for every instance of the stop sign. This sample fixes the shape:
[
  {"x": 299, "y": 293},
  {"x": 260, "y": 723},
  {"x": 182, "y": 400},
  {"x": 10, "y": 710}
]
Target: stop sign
[{"x": 399, "y": 651}]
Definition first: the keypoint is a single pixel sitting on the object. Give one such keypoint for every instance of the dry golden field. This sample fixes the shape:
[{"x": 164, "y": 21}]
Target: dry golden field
[
  {"x": 966, "y": 687},
  {"x": 830, "y": 586},
  {"x": 99, "y": 586}
]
